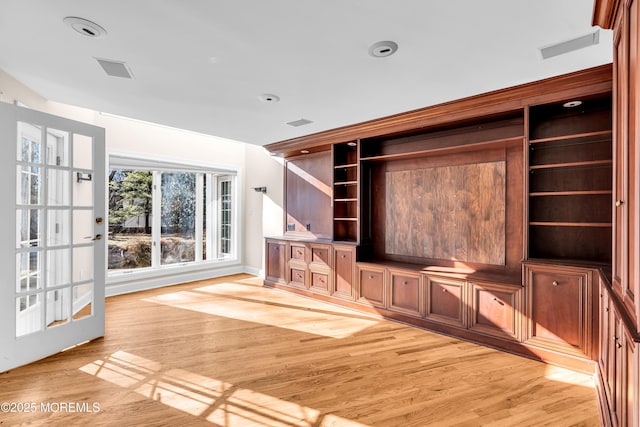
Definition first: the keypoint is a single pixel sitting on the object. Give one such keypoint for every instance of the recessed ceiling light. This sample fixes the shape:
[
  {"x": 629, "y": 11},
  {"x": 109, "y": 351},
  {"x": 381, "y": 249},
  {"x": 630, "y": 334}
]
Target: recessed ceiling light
[
  {"x": 351, "y": 144},
  {"x": 269, "y": 97},
  {"x": 383, "y": 49},
  {"x": 304, "y": 151},
  {"x": 85, "y": 27},
  {"x": 572, "y": 104}
]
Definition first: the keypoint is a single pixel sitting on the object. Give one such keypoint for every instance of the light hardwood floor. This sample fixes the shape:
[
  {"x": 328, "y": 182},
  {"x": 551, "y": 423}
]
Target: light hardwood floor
[{"x": 228, "y": 352}]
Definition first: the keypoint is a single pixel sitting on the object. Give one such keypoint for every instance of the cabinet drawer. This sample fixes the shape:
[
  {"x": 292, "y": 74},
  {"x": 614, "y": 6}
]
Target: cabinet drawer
[
  {"x": 371, "y": 286},
  {"x": 320, "y": 282},
  {"x": 405, "y": 293},
  {"x": 298, "y": 252},
  {"x": 297, "y": 277},
  {"x": 445, "y": 301},
  {"x": 320, "y": 255},
  {"x": 496, "y": 309}
]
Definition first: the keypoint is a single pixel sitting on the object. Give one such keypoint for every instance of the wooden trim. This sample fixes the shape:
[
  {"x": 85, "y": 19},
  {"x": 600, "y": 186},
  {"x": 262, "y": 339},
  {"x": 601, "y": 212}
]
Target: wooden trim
[
  {"x": 627, "y": 321},
  {"x": 603, "y": 13},
  {"x": 590, "y": 81}
]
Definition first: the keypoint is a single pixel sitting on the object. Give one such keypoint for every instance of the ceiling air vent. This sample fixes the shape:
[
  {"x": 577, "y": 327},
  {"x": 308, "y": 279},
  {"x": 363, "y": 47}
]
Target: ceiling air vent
[
  {"x": 570, "y": 45},
  {"x": 299, "y": 122},
  {"x": 115, "y": 68}
]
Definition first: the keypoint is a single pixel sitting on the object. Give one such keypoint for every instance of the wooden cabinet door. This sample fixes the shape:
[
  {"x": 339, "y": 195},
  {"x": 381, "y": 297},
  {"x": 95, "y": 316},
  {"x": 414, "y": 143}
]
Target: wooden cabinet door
[
  {"x": 344, "y": 265},
  {"x": 606, "y": 337},
  {"x": 405, "y": 292},
  {"x": 496, "y": 309},
  {"x": 371, "y": 286},
  {"x": 629, "y": 375},
  {"x": 614, "y": 362},
  {"x": 275, "y": 263},
  {"x": 445, "y": 302},
  {"x": 559, "y": 308},
  {"x": 626, "y": 158}
]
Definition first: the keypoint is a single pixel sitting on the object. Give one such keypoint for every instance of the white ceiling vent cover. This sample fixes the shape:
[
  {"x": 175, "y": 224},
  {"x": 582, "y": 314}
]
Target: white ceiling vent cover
[
  {"x": 115, "y": 68},
  {"x": 570, "y": 45},
  {"x": 299, "y": 122}
]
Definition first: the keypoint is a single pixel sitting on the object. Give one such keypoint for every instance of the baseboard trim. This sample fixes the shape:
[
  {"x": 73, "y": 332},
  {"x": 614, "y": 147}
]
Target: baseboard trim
[{"x": 143, "y": 284}]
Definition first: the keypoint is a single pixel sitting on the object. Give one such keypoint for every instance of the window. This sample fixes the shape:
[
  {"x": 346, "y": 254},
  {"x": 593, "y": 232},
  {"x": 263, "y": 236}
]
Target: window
[
  {"x": 225, "y": 223},
  {"x": 160, "y": 215}
]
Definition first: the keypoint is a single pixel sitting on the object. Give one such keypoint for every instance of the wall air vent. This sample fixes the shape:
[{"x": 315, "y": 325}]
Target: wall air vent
[
  {"x": 115, "y": 68},
  {"x": 299, "y": 122},
  {"x": 570, "y": 45}
]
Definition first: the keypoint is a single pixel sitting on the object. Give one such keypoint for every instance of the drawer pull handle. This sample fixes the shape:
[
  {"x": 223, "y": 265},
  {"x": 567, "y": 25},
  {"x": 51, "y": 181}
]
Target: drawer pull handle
[
  {"x": 497, "y": 301},
  {"x": 555, "y": 283},
  {"x": 619, "y": 203}
]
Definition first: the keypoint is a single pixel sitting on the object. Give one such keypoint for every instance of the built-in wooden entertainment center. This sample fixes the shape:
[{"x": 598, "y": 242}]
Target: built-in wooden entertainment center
[{"x": 509, "y": 219}]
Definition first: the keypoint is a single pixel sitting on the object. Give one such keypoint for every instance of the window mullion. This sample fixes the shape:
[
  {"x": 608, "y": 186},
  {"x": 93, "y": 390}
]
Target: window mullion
[
  {"x": 156, "y": 219},
  {"x": 199, "y": 216}
]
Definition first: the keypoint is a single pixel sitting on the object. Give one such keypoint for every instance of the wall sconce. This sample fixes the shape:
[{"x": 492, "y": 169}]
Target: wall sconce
[
  {"x": 260, "y": 189},
  {"x": 83, "y": 177}
]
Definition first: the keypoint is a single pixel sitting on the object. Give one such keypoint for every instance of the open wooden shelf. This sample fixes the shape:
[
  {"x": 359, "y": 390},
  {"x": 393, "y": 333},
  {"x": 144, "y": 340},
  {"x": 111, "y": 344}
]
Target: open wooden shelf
[
  {"x": 572, "y": 164},
  {"x": 570, "y": 181},
  {"x": 570, "y": 193},
  {"x": 346, "y": 191},
  {"x": 586, "y": 135},
  {"x": 571, "y": 224}
]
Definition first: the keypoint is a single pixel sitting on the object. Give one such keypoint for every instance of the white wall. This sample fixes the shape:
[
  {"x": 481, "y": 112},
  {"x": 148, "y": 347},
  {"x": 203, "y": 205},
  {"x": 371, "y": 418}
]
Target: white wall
[{"x": 261, "y": 213}]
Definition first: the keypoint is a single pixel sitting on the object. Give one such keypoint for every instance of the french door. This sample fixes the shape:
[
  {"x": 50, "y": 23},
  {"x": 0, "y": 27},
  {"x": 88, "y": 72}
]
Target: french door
[{"x": 52, "y": 255}]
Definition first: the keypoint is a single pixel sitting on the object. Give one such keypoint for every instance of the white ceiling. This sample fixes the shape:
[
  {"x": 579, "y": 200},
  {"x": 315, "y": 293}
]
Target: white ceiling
[{"x": 202, "y": 64}]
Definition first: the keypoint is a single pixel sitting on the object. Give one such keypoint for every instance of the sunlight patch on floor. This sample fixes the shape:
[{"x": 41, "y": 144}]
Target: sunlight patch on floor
[
  {"x": 268, "y": 307},
  {"x": 566, "y": 376},
  {"x": 218, "y": 402}
]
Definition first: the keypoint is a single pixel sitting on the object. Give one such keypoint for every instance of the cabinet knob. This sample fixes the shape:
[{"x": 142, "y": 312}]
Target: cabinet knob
[
  {"x": 444, "y": 290},
  {"x": 618, "y": 345},
  {"x": 495, "y": 299},
  {"x": 619, "y": 203},
  {"x": 370, "y": 277},
  {"x": 606, "y": 309},
  {"x": 342, "y": 256},
  {"x": 555, "y": 283},
  {"x": 405, "y": 282}
]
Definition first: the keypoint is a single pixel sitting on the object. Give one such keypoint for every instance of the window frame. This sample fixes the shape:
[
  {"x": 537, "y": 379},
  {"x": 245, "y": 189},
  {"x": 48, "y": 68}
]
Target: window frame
[{"x": 204, "y": 200}]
